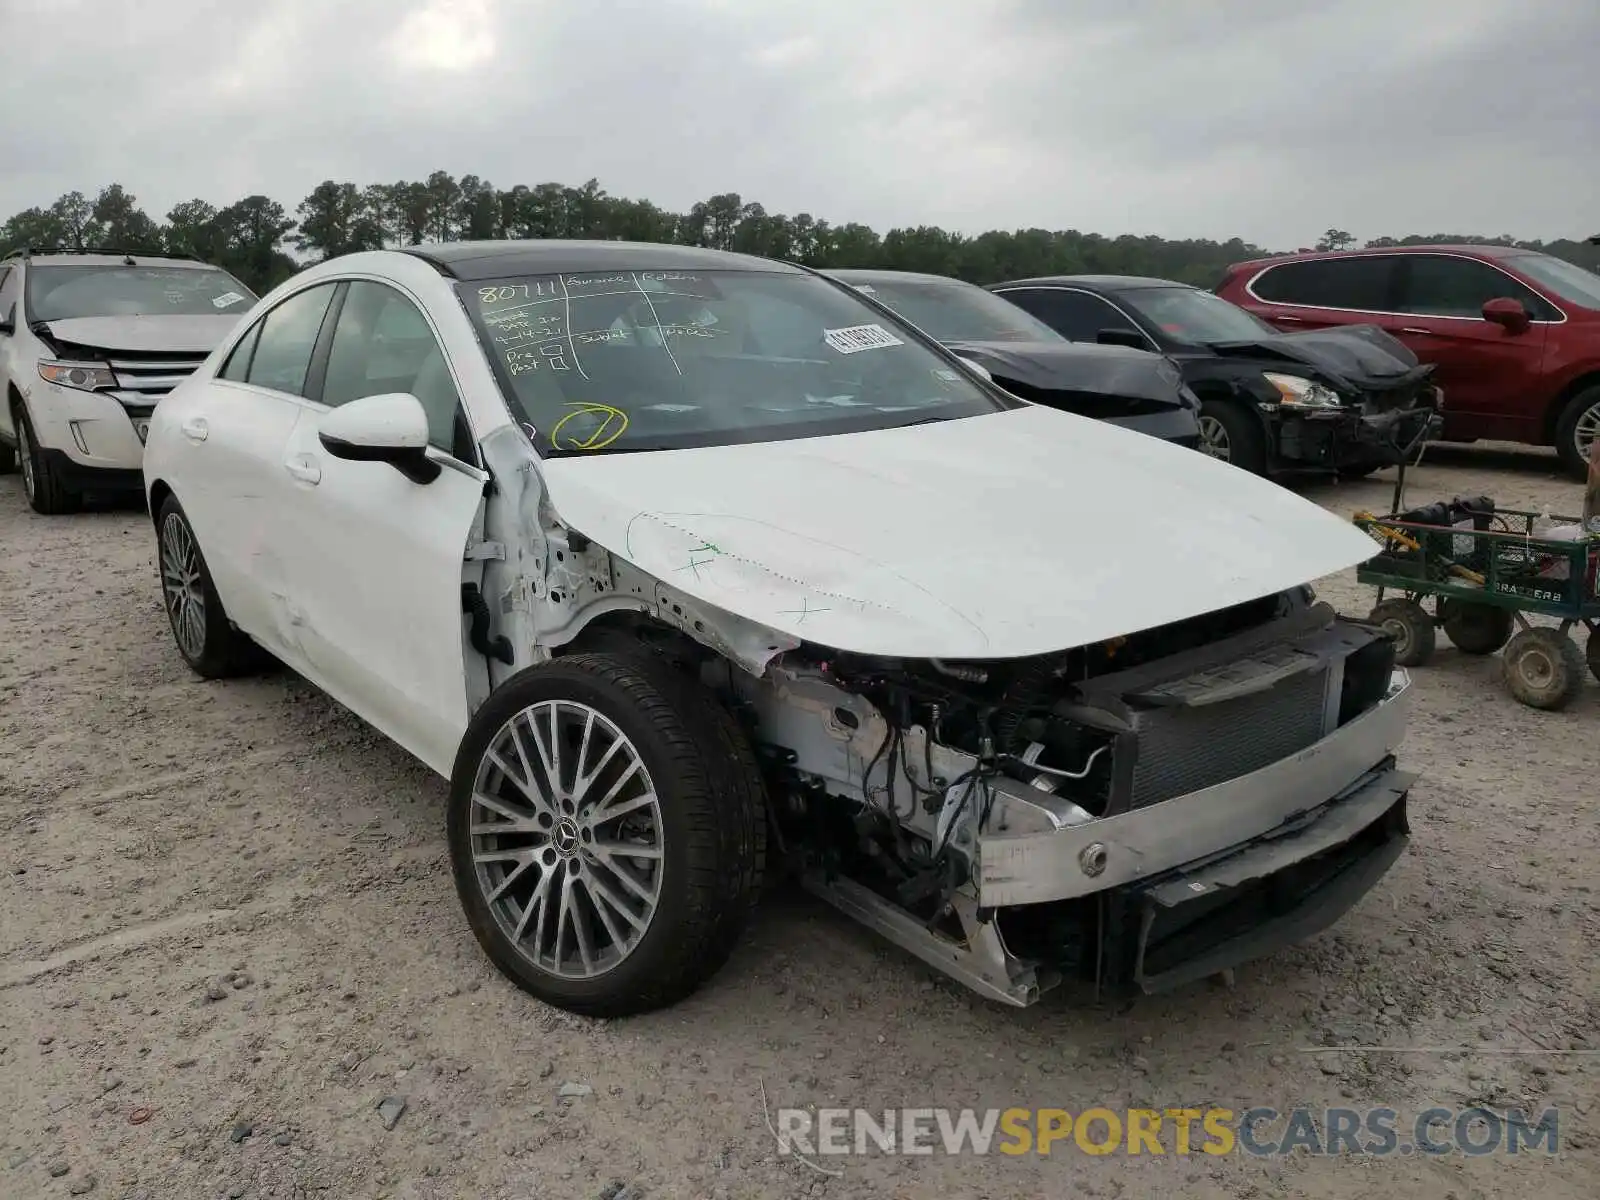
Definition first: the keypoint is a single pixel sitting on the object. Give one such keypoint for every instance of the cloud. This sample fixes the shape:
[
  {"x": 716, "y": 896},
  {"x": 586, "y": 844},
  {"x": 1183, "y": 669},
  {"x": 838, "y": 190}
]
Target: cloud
[{"x": 1269, "y": 121}]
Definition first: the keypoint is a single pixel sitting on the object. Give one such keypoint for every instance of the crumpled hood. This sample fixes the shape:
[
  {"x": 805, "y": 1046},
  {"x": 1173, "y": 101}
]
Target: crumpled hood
[
  {"x": 1112, "y": 371},
  {"x": 998, "y": 536},
  {"x": 180, "y": 335},
  {"x": 1360, "y": 356}
]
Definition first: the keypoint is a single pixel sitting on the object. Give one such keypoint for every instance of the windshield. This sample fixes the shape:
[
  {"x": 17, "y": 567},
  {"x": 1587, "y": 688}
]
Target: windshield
[
  {"x": 1568, "y": 281},
  {"x": 1190, "y": 315},
  {"x": 654, "y": 360},
  {"x": 957, "y": 312},
  {"x": 112, "y": 290}
]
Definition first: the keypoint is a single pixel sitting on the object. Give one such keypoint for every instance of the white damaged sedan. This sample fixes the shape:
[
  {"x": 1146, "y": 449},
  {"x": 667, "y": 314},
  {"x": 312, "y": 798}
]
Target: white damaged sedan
[{"x": 682, "y": 566}]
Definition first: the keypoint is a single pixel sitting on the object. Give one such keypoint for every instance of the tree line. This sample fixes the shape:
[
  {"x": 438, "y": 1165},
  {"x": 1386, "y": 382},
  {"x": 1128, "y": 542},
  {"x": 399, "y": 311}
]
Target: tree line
[{"x": 252, "y": 237}]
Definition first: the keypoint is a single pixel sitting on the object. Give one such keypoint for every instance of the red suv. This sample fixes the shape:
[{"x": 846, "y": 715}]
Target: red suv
[{"x": 1514, "y": 334}]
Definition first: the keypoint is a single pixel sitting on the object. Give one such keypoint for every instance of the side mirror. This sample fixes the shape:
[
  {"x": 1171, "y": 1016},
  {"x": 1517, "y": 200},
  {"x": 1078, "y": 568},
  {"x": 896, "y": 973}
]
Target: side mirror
[
  {"x": 1506, "y": 312},
  {"x": 8, "y": 323},
  {"x": 390, "y": 428},
  {"x": 1131, "y": 338},
  {"x": 977, "y": 368}
]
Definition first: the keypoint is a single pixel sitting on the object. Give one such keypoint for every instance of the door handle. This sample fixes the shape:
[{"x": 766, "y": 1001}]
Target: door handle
[
  {"x": 1287, "y": 317},
  {"x": 303, "y": 469},
  {"x": 195, "y": 429},
  {"x": 1424, "y": 332}
]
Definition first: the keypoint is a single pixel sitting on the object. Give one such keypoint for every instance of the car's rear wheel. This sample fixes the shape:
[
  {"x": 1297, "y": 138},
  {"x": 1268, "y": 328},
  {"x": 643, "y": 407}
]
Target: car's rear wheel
[
  {"x": 208, "y": 641},
  {"x": 607, "y": 832},
  {"x": 41, "y": 483},
  {"x": 1229, "y": 433},
  {"x": 1577, "y": 429}
]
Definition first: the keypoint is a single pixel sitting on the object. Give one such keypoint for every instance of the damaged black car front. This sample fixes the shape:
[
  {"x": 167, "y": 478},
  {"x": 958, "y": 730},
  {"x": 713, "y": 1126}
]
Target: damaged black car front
[
  {"x": 1133, "y": 388},
  {"x": 1349, "y": 400}
]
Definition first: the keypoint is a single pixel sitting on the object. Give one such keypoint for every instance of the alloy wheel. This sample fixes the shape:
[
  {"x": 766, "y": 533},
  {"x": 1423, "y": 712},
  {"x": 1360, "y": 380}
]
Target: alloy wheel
[
  {"x": 566, "y": 839},
  {"x": 181, "y": 585},
  {"x": 1214, "y": 438},
  {"x": 1586, "y": 430}
]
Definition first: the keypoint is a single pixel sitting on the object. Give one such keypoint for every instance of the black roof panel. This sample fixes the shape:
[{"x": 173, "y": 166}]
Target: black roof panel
[
  {"x": 869, "y": 275},
  {"x": 557, "y": 256},
  {"x": 1108, "y": 283}
]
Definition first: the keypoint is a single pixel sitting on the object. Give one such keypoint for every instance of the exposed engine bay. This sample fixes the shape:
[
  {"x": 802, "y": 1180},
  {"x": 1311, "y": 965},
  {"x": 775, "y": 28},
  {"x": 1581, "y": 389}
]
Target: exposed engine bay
[{"x": 923, "y": 796}]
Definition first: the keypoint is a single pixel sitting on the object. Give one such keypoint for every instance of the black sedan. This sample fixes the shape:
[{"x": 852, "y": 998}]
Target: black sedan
[
  {"x": 1349, "y": 400},
  {"x": 1136, "y": 389}
]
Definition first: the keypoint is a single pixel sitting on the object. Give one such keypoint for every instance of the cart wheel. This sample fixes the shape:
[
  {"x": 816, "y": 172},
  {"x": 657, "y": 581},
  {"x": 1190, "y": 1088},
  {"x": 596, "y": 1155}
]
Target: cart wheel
[
  {"x": 1543, "y": 668},
  {"x": 1412, "y": 628},
  {"x": 1477, "y": 628},
  {"x": 1593, "y": 651}
]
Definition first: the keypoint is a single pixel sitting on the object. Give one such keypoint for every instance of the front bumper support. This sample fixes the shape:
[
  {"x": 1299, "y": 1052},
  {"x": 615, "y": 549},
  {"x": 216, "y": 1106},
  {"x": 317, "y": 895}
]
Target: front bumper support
[
  {"x": 1278, "y": 891},
  {"x": 1135, "y": 846}
]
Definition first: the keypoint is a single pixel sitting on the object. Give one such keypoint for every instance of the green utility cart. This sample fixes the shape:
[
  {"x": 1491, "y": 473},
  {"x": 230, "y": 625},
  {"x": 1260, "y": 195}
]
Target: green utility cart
[{"x": 1486, "y": 570}]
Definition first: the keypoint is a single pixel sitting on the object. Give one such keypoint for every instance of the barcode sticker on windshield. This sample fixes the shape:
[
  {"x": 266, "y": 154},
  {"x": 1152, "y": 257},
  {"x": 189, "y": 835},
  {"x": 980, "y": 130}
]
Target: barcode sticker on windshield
[
  {"x": 855, "y": 338},
  {"x": 227, "y": 298}
]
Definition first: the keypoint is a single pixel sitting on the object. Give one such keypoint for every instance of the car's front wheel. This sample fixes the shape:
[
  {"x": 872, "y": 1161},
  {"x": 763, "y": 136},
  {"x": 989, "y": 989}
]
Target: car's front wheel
[
  {"x": 1231, "y": 433},
  {"x": 607, "y": 832},
  {"x": 208, "y": 641},
  {"x": 47, "y": 494}
]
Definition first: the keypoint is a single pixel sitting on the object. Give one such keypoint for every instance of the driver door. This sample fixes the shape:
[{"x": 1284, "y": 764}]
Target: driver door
[{"x": 376, "y": 571}]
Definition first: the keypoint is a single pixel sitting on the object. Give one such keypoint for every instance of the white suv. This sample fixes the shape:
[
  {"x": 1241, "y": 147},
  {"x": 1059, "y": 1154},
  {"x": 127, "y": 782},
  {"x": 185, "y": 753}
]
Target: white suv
[{"x": 88, "y": 343}]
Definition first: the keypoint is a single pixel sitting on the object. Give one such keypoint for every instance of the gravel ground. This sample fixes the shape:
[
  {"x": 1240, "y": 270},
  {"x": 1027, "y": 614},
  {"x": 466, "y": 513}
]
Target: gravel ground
[{"x": 227, "y": 933}]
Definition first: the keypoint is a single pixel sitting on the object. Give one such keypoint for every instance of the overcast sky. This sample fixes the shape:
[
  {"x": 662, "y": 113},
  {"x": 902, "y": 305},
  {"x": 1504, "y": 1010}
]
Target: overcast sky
[{"x": 1271, "y": 120}]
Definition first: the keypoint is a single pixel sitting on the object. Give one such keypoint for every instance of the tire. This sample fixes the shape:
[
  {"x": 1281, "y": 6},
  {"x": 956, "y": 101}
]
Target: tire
[
  {"x": 46, "y": 493},
  {"x": 8, "y": 459},
  {"x": 1477, "y": 628},
  {"x": 1358, "y": 470},
  {"x": 208, "y": 641},
  {"x": 708, "y": 825},
  {"x": 1415, "y": 638},
  {"x": 1543, "y": 668},
  {"x": 1592, "y": 652},
  {"x": 1576, "y": 428},
  {"x": 1233, "y": 434}
]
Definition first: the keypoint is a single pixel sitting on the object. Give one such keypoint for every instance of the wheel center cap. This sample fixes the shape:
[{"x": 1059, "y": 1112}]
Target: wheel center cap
[{"x": 565, "y": 837}]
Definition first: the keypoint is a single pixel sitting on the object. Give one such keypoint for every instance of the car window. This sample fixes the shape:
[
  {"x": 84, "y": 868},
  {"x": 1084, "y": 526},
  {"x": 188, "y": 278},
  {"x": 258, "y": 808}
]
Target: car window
[
  {"x": 1567, "y": 280},
  {"x": 950, "y": 310},
  {"x": 237, "y": 366},
  {"x": 382, "y": 343},
  {"x": 56, "y": 293},
  {"x": 647, "y": 360},
  {"x": 1365, "y": 282},
  {"x": 287, "y": 338},
  {"x": 1444, "y": 285},
  {"x": 1197, "y": 318},
  {"x": 1075, "y": 315}
]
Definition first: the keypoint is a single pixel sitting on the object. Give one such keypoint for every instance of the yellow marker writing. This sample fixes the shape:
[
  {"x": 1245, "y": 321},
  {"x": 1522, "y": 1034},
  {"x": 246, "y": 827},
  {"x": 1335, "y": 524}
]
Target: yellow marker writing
[{"x": 613, "y": 422}]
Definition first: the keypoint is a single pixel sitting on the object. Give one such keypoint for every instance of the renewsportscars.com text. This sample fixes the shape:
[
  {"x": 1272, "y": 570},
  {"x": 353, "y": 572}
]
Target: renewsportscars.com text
[{"x": 1258, "y": 1131}]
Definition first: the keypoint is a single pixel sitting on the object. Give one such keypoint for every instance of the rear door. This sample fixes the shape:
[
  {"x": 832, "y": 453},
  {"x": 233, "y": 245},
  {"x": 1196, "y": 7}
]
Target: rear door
[
  {"x": 376, "y": 571},
  {"x": 1490, "y": 374},
  {"x": 1071, "y": 312}
]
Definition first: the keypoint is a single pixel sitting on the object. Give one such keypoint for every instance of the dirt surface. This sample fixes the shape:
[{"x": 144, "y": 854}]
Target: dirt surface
[{"x": 228, "y": 932}]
